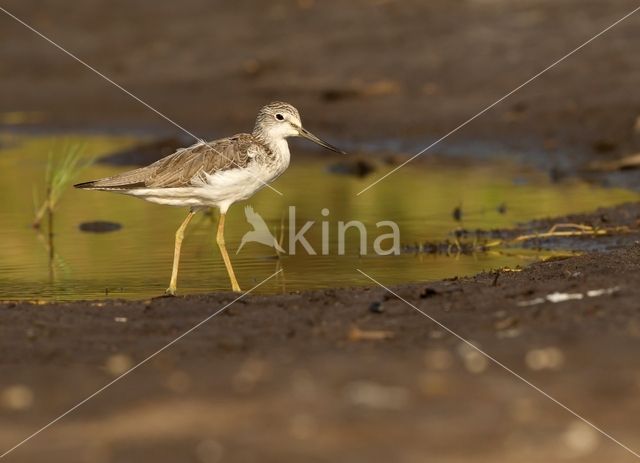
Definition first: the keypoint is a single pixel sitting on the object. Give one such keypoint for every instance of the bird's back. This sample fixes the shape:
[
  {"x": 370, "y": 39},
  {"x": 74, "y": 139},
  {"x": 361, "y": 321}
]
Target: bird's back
[{"x": 181, "y": 168}]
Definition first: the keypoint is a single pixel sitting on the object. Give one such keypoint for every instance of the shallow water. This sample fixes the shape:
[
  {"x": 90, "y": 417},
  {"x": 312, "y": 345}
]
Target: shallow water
[{"x": 135, "y": 262}]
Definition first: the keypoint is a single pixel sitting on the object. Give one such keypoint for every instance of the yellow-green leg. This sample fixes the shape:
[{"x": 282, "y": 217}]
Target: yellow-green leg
[
  {"x": 223, "y": 250},
  {"x": 176, "y": 254}
]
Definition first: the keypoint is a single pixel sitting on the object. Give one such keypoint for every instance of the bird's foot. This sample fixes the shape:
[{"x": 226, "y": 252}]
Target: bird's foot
[{"x": 171, "y": 291}]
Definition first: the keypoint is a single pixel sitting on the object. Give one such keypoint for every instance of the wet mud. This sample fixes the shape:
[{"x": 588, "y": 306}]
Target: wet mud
[{"x": 357, "y": 374}]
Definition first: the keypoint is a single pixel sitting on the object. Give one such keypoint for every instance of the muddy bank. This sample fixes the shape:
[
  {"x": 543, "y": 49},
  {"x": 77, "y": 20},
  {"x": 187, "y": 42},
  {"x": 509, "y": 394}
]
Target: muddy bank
[
  {"x": 353, "y": 374},
  {"x": 601, "y": 230}
]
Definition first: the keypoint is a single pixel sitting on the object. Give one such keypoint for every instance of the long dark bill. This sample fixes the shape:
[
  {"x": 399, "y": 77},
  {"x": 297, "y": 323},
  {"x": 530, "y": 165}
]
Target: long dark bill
[{"x": 309, "y": 136}]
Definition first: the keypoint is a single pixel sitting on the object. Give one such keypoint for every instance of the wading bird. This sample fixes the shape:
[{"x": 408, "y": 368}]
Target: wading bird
[{"x": 215, "y": 174}]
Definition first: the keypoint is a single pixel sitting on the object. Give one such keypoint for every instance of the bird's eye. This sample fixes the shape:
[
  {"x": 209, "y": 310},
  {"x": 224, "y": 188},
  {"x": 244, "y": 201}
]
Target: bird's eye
[{"x": 280, "y": 117}]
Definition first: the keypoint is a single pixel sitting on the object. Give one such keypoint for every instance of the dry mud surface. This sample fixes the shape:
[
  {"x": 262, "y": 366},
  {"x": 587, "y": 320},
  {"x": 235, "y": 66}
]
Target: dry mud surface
[{"x": 416, "y": 69}]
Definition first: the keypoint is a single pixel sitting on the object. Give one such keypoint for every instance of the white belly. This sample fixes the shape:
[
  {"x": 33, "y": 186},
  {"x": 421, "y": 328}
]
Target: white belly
[{"x": 217, "y": 190}]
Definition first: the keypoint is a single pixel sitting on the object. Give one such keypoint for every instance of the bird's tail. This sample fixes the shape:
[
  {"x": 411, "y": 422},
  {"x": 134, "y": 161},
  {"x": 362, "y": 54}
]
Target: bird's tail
[
  {"x": 104, "y": 186},
  {"x": 124, "y": 181},
  {"x": 87, "y": 185}
]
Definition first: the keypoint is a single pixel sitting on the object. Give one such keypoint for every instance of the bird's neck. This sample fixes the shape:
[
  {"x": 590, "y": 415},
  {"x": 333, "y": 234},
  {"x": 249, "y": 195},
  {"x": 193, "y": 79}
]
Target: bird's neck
[{"x": 278, "y": 146}]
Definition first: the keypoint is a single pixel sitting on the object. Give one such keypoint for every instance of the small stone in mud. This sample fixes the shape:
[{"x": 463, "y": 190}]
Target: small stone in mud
[
  {"x": 376, "y": 307},
  {"x": 427, "y": 293},
  {"x": 571, "y": 274},
  {"x": 99, "y": 226}
]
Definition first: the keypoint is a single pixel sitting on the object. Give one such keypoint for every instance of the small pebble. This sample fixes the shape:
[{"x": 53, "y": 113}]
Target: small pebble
[
  {"x": 376, "y": 307},
  {"x": 428, "y": 292}
]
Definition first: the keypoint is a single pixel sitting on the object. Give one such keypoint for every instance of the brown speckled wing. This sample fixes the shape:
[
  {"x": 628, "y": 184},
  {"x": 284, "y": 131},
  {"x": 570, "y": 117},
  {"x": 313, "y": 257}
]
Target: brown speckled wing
[{"x": 180, "y": 168}]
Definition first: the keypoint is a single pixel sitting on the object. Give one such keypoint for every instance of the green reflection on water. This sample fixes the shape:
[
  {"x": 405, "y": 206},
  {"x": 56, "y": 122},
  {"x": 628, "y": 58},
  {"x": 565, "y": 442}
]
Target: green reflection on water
[{"x": 136, "y": 261}]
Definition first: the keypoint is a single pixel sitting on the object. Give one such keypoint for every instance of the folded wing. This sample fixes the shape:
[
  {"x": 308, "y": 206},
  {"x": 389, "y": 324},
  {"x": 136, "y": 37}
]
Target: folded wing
[{"x": 180, "y": 168}]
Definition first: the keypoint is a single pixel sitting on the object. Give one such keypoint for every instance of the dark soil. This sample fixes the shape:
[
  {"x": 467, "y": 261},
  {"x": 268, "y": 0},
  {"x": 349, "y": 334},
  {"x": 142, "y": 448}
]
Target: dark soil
[
  {"x": 351, "y": 375},
  {"x": 340, "y": 375}
]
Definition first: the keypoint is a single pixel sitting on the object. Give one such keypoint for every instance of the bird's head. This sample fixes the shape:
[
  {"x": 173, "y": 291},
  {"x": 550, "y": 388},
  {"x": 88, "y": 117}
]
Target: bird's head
[{"x": 280, "y": 120}]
